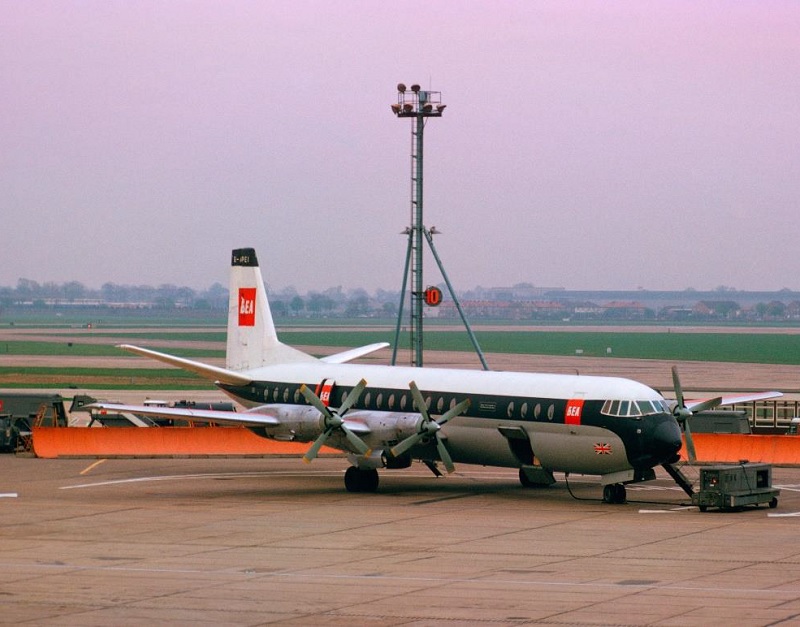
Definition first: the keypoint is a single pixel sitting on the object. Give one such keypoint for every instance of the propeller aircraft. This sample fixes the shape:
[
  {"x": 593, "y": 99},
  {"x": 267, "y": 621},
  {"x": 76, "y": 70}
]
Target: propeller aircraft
[{"x": 385, "y": 417}]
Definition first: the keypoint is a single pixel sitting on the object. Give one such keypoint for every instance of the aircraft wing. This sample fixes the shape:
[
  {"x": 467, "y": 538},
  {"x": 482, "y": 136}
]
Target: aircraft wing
[
  {"x": 354, "y": 353},
  {"x": 204, "y": 370},
  {"x": 257, "y": 417},
  {"x": 735, "y": 400}
]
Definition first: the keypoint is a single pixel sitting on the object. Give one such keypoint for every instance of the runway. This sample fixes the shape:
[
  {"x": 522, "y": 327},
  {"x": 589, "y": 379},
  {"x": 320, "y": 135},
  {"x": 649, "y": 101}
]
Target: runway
[{"x": 275, "y": 541}]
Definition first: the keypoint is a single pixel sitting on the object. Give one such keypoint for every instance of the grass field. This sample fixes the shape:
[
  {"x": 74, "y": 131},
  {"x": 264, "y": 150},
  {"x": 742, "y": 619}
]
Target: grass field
[
  {"x": 735, "y": 347},
  {"x": 765, "y": 348}
]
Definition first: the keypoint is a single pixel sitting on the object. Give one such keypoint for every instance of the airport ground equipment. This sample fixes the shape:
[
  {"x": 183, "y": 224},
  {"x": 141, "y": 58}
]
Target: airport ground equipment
[
  {"x": 83, "y": 403},
  {"x": 19, "y": 411},
  {"x": 733, "y": 486},
  {"x": 721, "y": 421}
]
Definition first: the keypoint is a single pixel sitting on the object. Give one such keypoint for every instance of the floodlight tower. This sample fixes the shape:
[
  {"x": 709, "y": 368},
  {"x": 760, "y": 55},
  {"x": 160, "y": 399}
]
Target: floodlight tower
[{"x": 419, "y": 105}]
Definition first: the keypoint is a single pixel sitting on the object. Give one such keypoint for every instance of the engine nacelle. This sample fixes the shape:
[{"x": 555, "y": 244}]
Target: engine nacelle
[
  {"x": 385, "y": 428},
  {"x": 297, "y": 422},
  {"x": 304, "y": 423}
]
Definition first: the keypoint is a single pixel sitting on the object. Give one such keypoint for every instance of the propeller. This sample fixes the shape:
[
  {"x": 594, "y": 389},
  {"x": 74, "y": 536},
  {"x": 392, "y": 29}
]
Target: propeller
[
  {"x": 428, "y": 428},
  {"x": 683, "y": 413},
  {"x": 332, "y": 420}
]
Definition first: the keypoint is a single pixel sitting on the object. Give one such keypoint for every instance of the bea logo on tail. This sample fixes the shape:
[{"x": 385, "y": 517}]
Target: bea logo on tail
[{"x": 247, "y": 306}]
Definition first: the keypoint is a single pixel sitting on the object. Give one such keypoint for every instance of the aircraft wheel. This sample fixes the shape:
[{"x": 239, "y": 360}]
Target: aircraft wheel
[
  {"x": 369, "y": 480},
  {"x": 361, "y": 479},
  {"x": 614, "y": 493},
  {"x": 773, "y": 503},
  {"x": 523, "y": 479}
]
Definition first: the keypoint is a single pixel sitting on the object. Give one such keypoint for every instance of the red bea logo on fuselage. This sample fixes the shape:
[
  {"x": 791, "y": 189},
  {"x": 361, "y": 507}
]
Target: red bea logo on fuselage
[
  {"x": 573, "y": 412},
  {"x": 247, "y": 306}
]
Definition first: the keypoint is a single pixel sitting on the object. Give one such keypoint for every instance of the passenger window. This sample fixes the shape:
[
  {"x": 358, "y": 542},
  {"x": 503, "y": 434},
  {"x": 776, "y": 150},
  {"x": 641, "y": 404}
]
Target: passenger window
[
  {"x": 523, "y": 411},
  {"x": 391, "y": 401},
  {"x": 537, "y": 411},
  {"x": 285, "y": 395},
  {"x": 379, "y": 401},
  {"x": 297, "y": 395},
  {"x": 551, "y": 412},
  {"x": 367, "y": 399},
  {"x": 403, "y": 402},
  {"x": 453, "y": 403},
  {"x": 440, "y": 404},
  {"x": 510, "y": 410},
  {"x": 275, "y": 394}
]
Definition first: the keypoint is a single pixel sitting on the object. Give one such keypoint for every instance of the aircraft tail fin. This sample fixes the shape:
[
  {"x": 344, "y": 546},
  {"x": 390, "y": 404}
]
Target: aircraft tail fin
[{"x": 252, "y": 340}]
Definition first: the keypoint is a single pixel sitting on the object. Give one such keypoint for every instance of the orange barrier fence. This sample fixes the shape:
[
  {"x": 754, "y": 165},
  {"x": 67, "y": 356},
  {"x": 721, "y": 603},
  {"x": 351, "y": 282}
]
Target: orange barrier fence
[
  {"x": 51, "y": 442},
  {"x": 781, "y": 450}
]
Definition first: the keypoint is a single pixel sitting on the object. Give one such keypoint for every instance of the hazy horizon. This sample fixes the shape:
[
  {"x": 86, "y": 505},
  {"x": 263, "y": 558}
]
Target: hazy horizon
[
  {"x": 589, "y": 145},
  {"x": 282, "y": 289}
]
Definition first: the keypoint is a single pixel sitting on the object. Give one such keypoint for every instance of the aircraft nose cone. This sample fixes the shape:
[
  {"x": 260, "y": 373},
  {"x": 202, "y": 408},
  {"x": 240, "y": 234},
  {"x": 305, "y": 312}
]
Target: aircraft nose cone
[{"x": 667, "y": 440}]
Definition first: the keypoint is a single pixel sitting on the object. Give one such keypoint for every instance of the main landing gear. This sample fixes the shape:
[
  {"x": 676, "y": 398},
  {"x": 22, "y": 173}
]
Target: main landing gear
[
  {"x": 361, "y": 479},
  {"x": 614, "y": 493}
]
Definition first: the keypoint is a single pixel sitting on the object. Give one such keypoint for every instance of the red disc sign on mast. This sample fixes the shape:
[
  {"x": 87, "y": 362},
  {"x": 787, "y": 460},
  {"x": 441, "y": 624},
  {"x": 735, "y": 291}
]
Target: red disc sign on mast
[{"x": 433, "y": 296}]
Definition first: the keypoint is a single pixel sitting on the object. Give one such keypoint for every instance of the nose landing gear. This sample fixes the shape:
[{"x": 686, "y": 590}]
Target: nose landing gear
[{"x": 614, "y": 493}]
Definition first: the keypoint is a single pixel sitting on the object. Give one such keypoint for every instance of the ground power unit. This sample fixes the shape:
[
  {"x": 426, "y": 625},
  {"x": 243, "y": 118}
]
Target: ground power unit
[{"x": 734, "y": 486}]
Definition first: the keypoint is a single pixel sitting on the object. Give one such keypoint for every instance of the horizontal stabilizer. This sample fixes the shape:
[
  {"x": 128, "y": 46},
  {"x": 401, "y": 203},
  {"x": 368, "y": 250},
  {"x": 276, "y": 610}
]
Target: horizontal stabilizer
[
  {"x": 206, "y": 371},
  {"x": 354, "y": 353},
  {"x": 198, "y": 415}
]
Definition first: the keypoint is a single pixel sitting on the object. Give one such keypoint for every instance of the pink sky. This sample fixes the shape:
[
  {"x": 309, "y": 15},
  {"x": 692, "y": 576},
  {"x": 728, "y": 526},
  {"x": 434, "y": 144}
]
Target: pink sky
[{"x": 587, "y": 145}]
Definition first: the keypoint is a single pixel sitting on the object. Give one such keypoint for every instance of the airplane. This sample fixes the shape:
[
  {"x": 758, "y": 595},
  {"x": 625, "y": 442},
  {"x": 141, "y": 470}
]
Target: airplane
[{"x": 385, "y": 417}]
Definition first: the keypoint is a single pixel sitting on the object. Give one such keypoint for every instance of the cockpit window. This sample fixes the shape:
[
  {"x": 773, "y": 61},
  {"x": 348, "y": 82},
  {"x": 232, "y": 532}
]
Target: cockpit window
[{"x": 634, "y": 408}]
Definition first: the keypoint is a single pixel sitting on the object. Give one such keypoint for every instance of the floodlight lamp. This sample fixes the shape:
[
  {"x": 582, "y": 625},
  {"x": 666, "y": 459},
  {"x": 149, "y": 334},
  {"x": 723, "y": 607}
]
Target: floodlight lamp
[
  {"x": 427, "y": 107},
  {"x": 440, "y": 107},
  {"x": 396, "y": 108},
  {"x": 401, "y": 88},
  {"x": 408, "y": 107},
  {"x": 415, "y": 88}
]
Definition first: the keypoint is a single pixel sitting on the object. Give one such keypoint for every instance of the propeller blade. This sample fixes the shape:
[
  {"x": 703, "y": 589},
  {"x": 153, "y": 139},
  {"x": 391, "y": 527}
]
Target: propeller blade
[
  {"x": 333, "y": 421},
  {"x": 455, "y": 411},
  {"x": 314, "y": 400},
  {"x": 690, "y": 450},
  {"x": 427, "y": 427},
  {"x": 352, "y": 397},
  {"x": 408, "y": 443},
  {"x": 683, "y": 414},
  {"x": 444, "y": 454},
  {"x": 422, "y": 407},
  {"x": 318, "y": 443},
  {"x": 356, "y": 441},
  {"x": 676, "y": 383}
]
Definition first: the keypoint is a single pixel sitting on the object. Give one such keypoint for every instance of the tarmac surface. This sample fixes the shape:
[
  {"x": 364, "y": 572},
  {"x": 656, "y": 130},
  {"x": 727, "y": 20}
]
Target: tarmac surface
[{"x": 274, "y": 541}]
